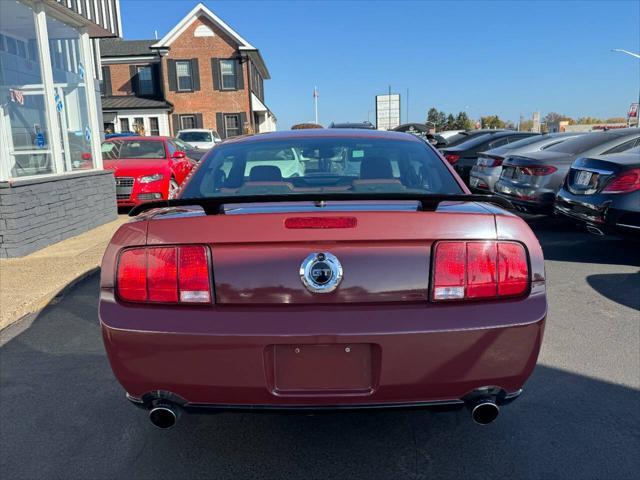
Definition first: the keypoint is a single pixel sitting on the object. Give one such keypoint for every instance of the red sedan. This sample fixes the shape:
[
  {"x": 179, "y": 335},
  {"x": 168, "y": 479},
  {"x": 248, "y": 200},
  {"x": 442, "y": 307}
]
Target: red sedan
[
  {"x": 323, "y": 269},
  {"x": 145, "y": 168}
]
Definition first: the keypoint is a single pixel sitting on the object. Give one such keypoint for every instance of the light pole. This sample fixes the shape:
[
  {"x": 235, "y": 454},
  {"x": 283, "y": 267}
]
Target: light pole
[{"x": 635, "y": 55}]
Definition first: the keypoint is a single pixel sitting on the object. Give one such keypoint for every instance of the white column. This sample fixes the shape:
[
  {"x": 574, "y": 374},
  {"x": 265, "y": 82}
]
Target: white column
[
  {"x": 47, "y": 82},
  {"x": 4, "y": 149},
  {"x": 94, "y": 110}
]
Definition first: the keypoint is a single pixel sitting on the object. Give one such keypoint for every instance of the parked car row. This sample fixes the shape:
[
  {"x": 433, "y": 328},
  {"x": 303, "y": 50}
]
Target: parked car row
[{"x": 592, "y": 178}]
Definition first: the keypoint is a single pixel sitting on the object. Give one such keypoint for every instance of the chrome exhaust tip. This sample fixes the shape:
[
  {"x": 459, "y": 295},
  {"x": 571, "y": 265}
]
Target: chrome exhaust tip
[
  {"x": 484, "y": 412},
  {"x": 163, "y": 416},
  {"x": 595, "y": 230}
]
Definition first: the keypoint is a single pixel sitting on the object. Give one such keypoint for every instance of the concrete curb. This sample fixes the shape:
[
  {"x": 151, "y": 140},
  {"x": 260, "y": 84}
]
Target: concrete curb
[{"x": 15, "y": 328}]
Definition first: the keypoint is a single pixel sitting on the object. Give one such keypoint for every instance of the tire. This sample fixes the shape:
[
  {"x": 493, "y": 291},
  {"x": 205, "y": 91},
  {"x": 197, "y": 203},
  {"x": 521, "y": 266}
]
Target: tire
[{"x": 173, "y": 188}]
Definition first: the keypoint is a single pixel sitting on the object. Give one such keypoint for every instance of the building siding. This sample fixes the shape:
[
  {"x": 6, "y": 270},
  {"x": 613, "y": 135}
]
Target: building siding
[{"x": 45, "y": 211}]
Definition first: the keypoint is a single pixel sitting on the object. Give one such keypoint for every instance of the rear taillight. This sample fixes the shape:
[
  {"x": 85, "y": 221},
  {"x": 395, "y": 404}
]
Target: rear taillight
[
  {"x": 538, "y": 170},
  {"x": 627, "y": 182},
  {"x": 479, "y": 270},
  {"x": 490, "y": 161},
  {"x": 452, "y": 158},
  {"x": 164, "y": 275}
]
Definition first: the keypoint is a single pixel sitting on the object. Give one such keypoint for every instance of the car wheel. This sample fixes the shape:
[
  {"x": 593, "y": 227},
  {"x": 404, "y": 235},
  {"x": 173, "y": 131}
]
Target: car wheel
[{"x": 173, "y": 188}]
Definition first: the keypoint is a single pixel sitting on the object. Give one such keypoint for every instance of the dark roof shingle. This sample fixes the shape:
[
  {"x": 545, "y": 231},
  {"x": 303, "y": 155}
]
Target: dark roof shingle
[
  {"x": 115, "y": 47},
  {"x": 131, "y": 102}
]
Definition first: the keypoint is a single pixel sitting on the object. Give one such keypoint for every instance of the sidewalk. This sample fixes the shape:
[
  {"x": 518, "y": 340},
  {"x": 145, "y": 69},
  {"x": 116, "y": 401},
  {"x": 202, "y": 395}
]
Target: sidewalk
[{"x": 29, "y": 283}]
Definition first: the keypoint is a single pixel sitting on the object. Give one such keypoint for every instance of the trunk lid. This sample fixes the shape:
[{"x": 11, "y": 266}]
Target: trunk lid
[
  {"x": 590, "y": 175},
  {"x": 385, "y": 257}
]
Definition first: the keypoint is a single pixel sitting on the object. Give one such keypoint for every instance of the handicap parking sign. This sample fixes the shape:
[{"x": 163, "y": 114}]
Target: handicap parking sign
[
  {"x": 81, "y": 70},
  {"x": 87, "y": 133},
  {"x": 59, "y": 105},
  {"x": 40, "y": 140}
]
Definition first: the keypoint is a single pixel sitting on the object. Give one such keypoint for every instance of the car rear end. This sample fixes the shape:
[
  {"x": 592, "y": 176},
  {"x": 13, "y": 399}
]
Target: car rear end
[
  {"x": 530, "y": 182},
  {"x": 486, "y": 172},
  {"x": 208, "y": 306},
  {"x": 603, "y": 193}
]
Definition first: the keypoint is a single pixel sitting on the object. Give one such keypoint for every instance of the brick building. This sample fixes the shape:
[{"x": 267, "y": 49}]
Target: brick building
[{"x": 202, "y": 74}]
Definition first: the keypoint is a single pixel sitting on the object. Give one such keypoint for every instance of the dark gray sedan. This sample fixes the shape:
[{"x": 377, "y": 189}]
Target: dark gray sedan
[
  {"x": 486, "y": 172},
  {"x": 531, "y": 181}
]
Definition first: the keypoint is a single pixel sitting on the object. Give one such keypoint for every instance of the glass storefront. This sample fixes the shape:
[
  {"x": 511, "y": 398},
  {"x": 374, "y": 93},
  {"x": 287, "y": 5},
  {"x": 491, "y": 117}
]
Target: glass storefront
[
  {"x": 23, "y": 116},
  {"x": 70, "y": 97},
  {"x": 28, "y": 109}
]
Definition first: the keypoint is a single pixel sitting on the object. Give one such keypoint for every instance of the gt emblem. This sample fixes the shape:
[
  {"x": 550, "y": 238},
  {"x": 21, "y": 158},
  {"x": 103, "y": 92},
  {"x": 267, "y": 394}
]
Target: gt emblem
[{"x": 321, "y": 272}]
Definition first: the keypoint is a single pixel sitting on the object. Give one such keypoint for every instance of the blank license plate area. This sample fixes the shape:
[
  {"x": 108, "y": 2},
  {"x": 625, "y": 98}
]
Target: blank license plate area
[
  {"x": 335, "y": 368},
  {"x": 583, "y": 178}
]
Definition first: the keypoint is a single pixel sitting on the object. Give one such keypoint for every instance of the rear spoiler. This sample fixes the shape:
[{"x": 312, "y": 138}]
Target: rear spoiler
[{"x": 213, "y": 205}]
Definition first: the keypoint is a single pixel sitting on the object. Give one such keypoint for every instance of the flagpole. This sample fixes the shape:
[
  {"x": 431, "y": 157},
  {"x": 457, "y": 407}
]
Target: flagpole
[{"x": 315, "y": 102}]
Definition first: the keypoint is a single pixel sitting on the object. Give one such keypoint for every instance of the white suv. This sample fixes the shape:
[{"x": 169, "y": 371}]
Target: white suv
[{"x": 200, "y": 138}]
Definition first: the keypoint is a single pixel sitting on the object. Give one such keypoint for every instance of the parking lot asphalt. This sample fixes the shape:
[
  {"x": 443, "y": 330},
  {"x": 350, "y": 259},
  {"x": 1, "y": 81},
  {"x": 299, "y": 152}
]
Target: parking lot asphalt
[{"x": 63, "y": 415}]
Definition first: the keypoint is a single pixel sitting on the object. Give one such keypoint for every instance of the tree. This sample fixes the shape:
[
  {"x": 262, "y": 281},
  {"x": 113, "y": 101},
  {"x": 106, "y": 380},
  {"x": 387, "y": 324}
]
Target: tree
[
  {"x": 617, "y": 120},
  {"x": 437, "y": 118},
  {"x": 589, "y": 120},
  {"x": 450, "y": 123},
  {"x": 526, "y": 125},
  {"x": 554, "y": 117},
  {"x": 463, "y": 122},
  {"x": 491, "y": 121}
]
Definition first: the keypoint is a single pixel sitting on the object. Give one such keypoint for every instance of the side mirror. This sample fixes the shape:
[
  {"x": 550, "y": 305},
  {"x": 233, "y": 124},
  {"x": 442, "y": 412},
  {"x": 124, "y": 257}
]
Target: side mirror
[{"x": 179, "y": 155}]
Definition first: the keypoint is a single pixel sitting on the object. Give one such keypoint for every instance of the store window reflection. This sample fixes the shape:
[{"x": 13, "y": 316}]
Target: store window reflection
[
  {"x": 23, "y": 119},
  {"x": 70, "y": 94}
]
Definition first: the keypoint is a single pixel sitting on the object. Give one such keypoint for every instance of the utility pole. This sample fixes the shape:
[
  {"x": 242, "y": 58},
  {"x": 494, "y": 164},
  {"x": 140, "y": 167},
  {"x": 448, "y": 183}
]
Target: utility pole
[
  {"x": 407, "y": 105},
  {"x": 315, "y": 102}
]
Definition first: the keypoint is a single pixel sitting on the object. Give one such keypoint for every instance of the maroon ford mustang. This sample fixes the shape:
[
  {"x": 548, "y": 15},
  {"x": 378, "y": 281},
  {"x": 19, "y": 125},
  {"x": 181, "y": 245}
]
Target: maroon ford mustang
[{"x": 322, "y": 269}]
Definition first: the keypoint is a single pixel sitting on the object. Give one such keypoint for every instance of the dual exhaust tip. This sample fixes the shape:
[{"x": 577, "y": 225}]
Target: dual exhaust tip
[{"x": 483, "y": 412}]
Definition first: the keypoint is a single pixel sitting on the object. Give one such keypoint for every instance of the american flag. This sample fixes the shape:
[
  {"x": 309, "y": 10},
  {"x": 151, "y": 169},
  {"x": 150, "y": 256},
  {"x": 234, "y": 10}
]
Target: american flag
[{"x": 16, "y": 96}]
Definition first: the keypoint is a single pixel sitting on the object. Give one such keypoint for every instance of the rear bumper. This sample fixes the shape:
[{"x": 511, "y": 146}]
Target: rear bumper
[
  {"x": 600, "y": 213},
  {"x": 485, "y": 178},
  {"x": 231, "y": 357}
]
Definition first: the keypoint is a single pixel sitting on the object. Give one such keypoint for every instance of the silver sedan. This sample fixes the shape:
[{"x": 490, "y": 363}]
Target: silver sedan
[{"x": 486, "y": 172}]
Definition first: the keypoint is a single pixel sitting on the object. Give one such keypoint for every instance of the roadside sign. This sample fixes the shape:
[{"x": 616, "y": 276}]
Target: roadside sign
[
  {"x": 87, "y": 133},
  {"x": 81, "y": 70},
  {"x": 387, "y": 111},
  {"x": 633, "y": 111}
]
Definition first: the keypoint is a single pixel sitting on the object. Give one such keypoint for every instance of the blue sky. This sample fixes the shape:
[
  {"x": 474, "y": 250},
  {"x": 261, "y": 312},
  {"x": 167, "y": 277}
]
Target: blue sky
[{"x": 502, "y": 57}]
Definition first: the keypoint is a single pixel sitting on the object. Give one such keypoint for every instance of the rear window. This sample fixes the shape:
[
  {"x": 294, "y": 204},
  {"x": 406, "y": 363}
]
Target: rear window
[
  {"x": 582, "y": 143},
  {"x": 332, "y": 165},
  {"x": 195, "y": 137},
  {"x": 132, "y": 149}
]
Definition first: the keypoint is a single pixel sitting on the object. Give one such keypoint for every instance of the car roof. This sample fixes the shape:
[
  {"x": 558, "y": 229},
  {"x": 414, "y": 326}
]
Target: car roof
[
  {"x": 325, "y": 133},
  {"x": 195, "y": 130},
  {"x": 140, "y": 138}
]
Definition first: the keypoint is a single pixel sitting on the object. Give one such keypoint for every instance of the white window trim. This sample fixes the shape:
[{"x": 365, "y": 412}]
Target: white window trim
[
  {"x": 224, "y": 120},
  {"x": 188, "y": 62},
  {"x": 235, "y": 75},
  {"x": 182, "y": 127}
]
